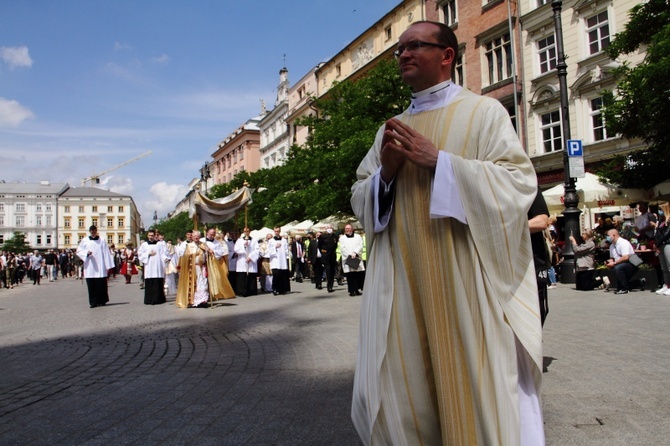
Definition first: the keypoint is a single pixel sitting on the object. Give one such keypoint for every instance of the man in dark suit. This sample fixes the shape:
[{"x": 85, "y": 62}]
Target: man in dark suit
[
  {"x": 298, "y": 255},
  {"x": 314, "y": 258},
  {"x": 328, "y": 249}
]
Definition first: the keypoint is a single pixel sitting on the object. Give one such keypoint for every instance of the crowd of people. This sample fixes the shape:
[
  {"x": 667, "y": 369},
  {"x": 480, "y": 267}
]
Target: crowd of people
[
  {"x": 622, "y": 247},
  {"x": 15, "y": 268},
  {"x": 238, "y": 266}
]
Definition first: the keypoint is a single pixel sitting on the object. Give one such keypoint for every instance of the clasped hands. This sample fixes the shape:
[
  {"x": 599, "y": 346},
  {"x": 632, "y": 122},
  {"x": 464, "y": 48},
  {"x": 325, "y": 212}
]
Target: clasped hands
[{"x": 402, "y": 143}]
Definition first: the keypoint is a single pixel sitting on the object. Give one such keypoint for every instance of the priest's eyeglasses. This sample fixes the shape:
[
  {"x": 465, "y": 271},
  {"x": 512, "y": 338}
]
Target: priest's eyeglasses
[{"x": 416, "y": 45}]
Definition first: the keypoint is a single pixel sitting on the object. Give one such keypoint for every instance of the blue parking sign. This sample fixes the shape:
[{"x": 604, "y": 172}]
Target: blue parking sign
[{"x": 575, "y": 147}]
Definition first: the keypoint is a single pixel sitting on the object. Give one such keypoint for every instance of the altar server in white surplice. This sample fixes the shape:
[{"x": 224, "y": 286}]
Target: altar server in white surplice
[
  {"x": 247, "y": 254},
  {"x": 98, "y": 260},
  {"x": 154, "y": 258},
  {"x": 450, "y": 346}
]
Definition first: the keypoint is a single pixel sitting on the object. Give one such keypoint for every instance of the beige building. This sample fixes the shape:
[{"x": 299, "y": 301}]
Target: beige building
[
  {"x": 237, "y": 153},
  {"x": 115, "y": 215},
  {"x": 588, "y": 28},
  {"x": 377, "y": 41},
  {"x": 300, "y": 105}
]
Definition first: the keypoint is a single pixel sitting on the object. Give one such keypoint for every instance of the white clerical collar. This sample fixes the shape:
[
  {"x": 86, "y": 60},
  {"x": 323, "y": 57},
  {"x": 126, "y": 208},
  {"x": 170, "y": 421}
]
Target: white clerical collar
[{"x": 435, "y": 97}]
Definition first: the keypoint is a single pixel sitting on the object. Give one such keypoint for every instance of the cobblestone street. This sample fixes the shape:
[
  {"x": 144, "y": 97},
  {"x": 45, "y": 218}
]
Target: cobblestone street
[{"x": 278, "y": 370}]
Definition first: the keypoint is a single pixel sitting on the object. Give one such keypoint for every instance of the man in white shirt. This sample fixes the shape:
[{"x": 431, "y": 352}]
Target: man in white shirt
[{"x": 620, "y": 252}]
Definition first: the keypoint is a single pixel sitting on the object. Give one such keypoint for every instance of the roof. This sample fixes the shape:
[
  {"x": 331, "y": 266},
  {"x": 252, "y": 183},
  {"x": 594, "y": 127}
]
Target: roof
[
  {"x": 92, "y": 192},
  {"x": 44, "y": 187}
]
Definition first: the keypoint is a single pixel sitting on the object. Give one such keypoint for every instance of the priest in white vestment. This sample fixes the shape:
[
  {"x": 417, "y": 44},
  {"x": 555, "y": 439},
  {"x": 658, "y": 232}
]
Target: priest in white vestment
[
  {"x": 98, "y": 260},
  {"x": 450, "y": 346}
]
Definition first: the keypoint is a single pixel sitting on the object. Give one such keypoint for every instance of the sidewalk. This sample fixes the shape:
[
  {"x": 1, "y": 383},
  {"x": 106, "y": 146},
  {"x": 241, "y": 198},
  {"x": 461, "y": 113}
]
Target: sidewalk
[{"x": 278, "y": 370}]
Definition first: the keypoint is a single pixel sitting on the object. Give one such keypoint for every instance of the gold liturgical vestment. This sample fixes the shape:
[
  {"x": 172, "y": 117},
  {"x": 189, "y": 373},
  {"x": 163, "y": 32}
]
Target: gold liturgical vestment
[
  {"x": 217, "y": 272},
  {"x": 443, "y": 300}
]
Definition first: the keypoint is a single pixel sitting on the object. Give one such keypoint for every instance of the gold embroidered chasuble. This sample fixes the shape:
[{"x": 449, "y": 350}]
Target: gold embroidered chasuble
[
  {"x": 217, "y": 271},
  {"x": 443, "y": 301}
]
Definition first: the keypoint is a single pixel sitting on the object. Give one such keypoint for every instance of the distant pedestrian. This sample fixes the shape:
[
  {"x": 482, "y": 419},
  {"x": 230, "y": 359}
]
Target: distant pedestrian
[{"x": 36, "y": 262}]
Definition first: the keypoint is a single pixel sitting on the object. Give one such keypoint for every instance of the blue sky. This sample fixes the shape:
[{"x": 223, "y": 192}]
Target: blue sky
[{"x": 88, "y": 84}]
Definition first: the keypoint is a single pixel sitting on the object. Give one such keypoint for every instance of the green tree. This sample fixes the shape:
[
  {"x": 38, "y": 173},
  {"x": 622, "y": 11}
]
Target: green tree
[
  {"x": 641, "y": 104},
  {"x": 175, "y": 227},
  {"x": 17, "y": 243},
  {"x": 315, "y": 181}
]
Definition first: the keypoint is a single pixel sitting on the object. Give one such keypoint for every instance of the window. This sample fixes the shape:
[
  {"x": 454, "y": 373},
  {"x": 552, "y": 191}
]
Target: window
[
  {"x": 499, "y": 59},
  {"x": 2, "y": 238},
  {"x": 80, "y": 237},
  {"x": 241, "y": 153},
  {"x": 449, "y": 9},
  {"x": 48, "y": 207},
  {"x": 20, "y": 220},
  {"x": 120, "y": 239},
  {"x": 458, "y": 72},
  {"x": 66, "y": 222},
  {"x": 38, "y": 220},
  {"x": 542, "y": 2},
  {"x": 110, "y": 239},
  {"x": 38, "y": 207},
  {"x": 511, "y": 111},
  {"x": 120, "y": 208},
  {"x": 94, "y": 209},
  {"x": 94, "y": 221},
  {"x": 120, "y": 222},
  {"x": 338, "y": 70},
  {"x": 302, "y": 92},
  {"x": 110, "y": 208},
  {"x": 39, "y": 239},
  {"x": 66, "y": 239},
  {"x": 551, "y": 131},
  {"x": 66, "y": 209},
  {"x": 597, "y": 121},
  {"x": 388, "y": 33},
  {"x": 546, "y": 50},
  {"x": 81, "y": 208},
  {"x": 81, "y": 222},
  {"x": 48, "y": 220},
  {"x": 598, "y": 31},
  {"x": 2, "y": 207},
  {"x": 110, "y": 222},
  {"x": 48, "y": 239},
  {"x": 2, "y": 220},
  {"x": 20, "y": 207}
]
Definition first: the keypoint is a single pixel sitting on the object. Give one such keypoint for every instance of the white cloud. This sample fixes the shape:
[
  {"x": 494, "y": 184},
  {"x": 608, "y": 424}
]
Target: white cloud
[
  {"x": 165, "y": 197},
  {"x": 120, "y": 185},
  {"x": 162, "y": 59},
  {"x": 12, "y": 114},
  {"x": 118, "y": 46},
  {"x": 16, "y": 57}
]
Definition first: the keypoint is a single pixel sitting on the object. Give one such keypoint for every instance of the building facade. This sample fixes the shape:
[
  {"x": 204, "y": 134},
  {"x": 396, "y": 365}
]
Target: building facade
[
  {"x": 274, "y": 131},
  {"x": 114, "y": 214},
  {"x": 32, "y": 209},
  {"x": 300, "y": 97},
  {"x": 588, "y": 28},
  {"x": 237, "y": 153},
  {"x": 380, "y": 40}
]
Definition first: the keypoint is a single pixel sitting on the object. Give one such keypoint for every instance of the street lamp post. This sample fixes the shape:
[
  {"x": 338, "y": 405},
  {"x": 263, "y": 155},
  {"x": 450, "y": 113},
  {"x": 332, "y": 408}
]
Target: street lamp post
[
  {"x": 571, "y": 199},
  {"x": 204, "y": 175}
]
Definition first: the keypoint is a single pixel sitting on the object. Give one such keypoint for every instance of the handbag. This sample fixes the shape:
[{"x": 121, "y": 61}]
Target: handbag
[
  {"x": 353, "y": 262},
  {"x": 635, "y": 259}
]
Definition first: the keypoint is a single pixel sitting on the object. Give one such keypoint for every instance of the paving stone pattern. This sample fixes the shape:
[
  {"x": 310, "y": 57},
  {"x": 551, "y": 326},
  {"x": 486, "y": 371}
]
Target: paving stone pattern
[{"x": 278, "y": 370}]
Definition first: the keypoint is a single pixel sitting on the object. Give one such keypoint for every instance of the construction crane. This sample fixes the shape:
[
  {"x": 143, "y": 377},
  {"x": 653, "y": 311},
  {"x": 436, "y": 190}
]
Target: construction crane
[{"x": 95, "y": 178}]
